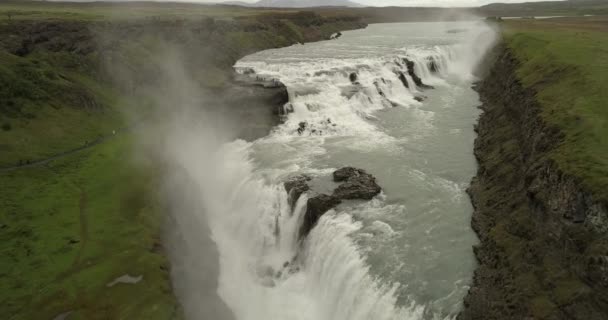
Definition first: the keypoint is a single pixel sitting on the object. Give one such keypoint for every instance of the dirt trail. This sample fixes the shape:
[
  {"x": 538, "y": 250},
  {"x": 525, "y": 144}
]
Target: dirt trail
[{"x": 54, "y": 157}]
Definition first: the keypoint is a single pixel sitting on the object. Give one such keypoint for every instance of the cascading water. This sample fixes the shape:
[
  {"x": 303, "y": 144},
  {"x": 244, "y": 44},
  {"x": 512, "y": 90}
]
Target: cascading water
[{"x": 404, "y": 255}]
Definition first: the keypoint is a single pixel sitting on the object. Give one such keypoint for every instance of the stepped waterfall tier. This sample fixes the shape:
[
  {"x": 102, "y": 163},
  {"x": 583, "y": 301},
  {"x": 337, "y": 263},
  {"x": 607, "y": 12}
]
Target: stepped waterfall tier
[{"x": 391, "y": 236}]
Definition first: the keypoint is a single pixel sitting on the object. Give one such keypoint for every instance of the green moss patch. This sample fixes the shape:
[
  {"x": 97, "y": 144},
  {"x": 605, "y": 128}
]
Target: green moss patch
[
  {"x": 71, "y": 228},
  {"x": 569, "y": 71}
]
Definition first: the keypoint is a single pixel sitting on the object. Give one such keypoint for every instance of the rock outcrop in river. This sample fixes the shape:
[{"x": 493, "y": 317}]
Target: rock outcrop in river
[
  {"x": 355, "y": 184},
  {"x": 295, "y": 187},
  {"x": 410, "y": 65},
  {"x": 417, "y": 80}
]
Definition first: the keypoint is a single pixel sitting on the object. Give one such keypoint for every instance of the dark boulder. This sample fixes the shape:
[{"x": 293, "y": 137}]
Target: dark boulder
[
  {"x": 353, "y": 77},
  {"x": 358, "y": 184},
  {"x": 380, "y": 92},
  {"x": 432, "y": 64},
  {"x": 403, "y": 80},
  {"x": 295, "y": 187},
  {"x": 346, "y": 173},
  {"x": 410, "y": 70},
  {"x": 419, "y": 98},
  {"x": 302, "y": 127},
  {"x": 315, "y": 208}
]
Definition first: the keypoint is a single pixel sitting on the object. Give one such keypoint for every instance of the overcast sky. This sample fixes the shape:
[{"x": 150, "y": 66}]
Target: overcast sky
[
  {"x": 431, "y": 3},
  {"x": 410, "y": 3}
]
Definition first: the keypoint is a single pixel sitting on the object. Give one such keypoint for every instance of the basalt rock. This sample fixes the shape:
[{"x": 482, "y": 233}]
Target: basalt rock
[
  {"x": 432, "y": 64},
  {"x": 302, "y": 127},
  {"x": 353, "y": 77},
  {"x": 357, "y": 184},
  {"x": 379, "y": 90},
  {"x": 411, "y": 71},
  {"x": 403, "y": 80},
  {"x": 543, "y": 237},
  {"x": 346, "y": 173},
  {"x": 295, "y": 187},
  {"x": 315, "y": 208},
  {"x": 419, "y": 98}
]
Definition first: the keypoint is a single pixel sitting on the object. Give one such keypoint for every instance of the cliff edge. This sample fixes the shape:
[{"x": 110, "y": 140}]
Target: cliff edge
[{"x": 543, "y": 251}]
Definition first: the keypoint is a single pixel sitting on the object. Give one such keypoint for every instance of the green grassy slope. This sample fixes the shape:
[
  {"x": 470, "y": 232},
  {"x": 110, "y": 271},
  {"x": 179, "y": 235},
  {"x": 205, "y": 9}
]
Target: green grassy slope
[
  {"x": 566, "y": 63},
  {"x": 71, "y": 228},
  {"x": 66, "y": 83},
  {"x": 121, "y": 11},
  {"x": 541, "y": 149},
  {"x": 546, "y": 8},
  {"x": 71, "y": 74},
  {"x": 41, "y": 102}
]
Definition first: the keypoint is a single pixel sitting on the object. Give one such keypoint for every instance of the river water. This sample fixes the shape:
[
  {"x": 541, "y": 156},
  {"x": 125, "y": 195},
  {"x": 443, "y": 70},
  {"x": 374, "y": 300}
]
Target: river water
[{"x": 407, "y": 254}]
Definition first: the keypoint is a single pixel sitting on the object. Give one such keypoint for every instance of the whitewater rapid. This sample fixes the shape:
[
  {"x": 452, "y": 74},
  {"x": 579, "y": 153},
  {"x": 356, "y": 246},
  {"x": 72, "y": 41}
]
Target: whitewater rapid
[{"x": 404, "y": 255}]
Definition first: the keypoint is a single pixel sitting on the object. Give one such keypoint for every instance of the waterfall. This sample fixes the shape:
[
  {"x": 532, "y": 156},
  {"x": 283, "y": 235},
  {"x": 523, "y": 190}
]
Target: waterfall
[{"x": 265, "y": 271}]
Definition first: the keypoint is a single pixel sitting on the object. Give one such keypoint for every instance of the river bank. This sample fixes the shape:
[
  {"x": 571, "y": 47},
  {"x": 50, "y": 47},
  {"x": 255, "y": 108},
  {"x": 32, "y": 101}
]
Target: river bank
[
  {"x": 70, "y": 76},
  {"x": 541, "y": 223}
]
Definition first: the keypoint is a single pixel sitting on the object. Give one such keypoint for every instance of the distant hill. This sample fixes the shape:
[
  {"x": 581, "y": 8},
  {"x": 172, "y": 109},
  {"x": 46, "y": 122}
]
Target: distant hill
[
  {"x": 570, "y": 7},
  {"x": 296, "y": 3},
  {"x": 238, "y": 3}
]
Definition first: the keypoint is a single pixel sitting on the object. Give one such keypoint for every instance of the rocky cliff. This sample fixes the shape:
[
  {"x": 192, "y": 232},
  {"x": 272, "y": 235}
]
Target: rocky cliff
[{"x": 543, "y": 251}]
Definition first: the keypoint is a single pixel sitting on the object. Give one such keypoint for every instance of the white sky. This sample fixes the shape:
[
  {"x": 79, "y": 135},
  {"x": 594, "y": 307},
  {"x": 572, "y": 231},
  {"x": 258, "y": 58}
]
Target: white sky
[{"x": 437, "y": 3}]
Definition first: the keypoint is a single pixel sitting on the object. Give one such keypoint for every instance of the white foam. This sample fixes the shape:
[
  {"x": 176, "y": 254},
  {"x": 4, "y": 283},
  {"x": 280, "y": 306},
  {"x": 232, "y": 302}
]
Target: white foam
[{"x": 266, "y": 273}]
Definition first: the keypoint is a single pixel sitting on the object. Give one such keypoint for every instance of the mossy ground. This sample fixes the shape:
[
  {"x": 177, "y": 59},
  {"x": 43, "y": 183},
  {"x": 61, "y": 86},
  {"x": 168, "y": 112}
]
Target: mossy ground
[
  {"x": 566, "y": 62},
  {"x": 70, "y": 227},
  {"x": 46, "y": 108},
  {"x": 544, "y": 119}
]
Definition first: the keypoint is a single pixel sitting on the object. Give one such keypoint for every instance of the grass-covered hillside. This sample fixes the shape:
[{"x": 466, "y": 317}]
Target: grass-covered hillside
[
  {"x": 541, "y": 191},
  {"x": 70, "y": 228},
  {"x": 546, "y": 8},
  {"x": 76, "y": 212},
  {"x": 67, "y": 83},
  {"x": 566, "y": 62}
]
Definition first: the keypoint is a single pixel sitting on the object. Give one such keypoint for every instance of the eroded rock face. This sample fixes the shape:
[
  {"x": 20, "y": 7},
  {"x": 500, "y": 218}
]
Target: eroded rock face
[
  {"x": 432, "y": 64},
  {"x": 315, "y": 208},
  {"x": 295, "y": 187},
  {"x": 302, "y": 127},
  {"x": 403, "y": 80},
  {"x": 410, "y": 70},
  {"x": 346, "y": 173},
  {"x": 531, "y": 217},
  {"x": 358, "y": 184}
]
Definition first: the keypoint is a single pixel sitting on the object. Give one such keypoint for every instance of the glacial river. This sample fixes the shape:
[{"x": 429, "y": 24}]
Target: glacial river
[{"x": 406, "y": 254}]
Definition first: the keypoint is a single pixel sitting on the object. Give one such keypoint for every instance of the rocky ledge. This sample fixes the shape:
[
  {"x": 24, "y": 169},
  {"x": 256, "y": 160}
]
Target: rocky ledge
[
  {"x": 355, "y": 184},
  {"x": 543, "y": 251}
]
